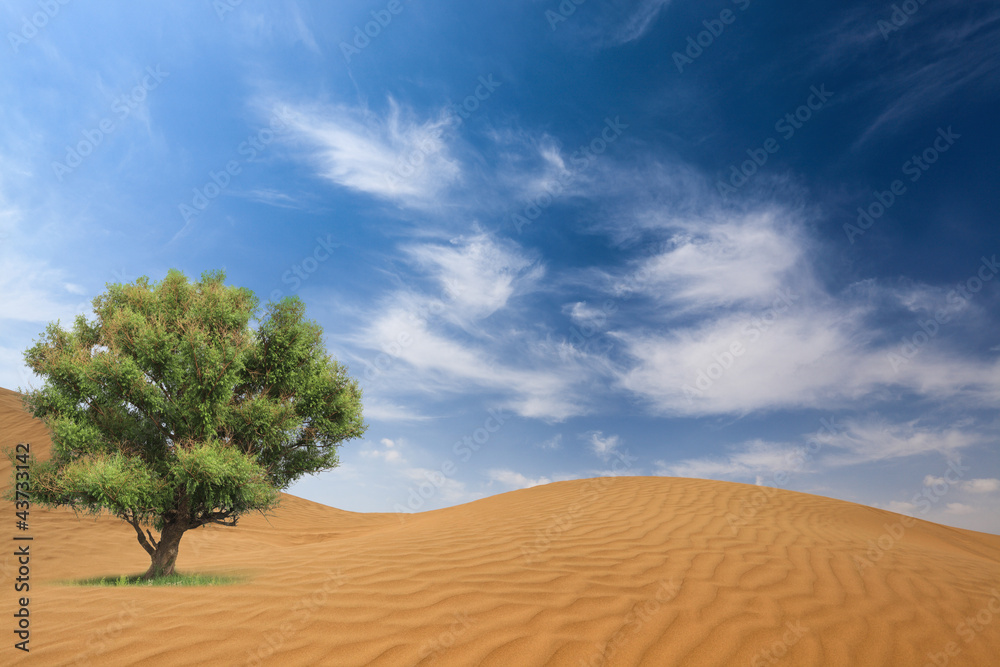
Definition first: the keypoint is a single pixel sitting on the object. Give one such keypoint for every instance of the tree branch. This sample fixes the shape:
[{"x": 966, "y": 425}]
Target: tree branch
[
  {"x": 223, "y": 518},
  {"x": 231, "y": 523},
  {"x": 143, "y": 542},
  {"x": 128, "y": 395}
]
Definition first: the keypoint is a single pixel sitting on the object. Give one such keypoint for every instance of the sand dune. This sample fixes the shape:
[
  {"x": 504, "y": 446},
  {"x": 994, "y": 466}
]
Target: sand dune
[{"x": 614, "y": 571}]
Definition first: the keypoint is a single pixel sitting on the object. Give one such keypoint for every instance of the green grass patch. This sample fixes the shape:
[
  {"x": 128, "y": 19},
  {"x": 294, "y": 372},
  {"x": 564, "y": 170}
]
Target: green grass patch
[{"x": 176, "y": 579}]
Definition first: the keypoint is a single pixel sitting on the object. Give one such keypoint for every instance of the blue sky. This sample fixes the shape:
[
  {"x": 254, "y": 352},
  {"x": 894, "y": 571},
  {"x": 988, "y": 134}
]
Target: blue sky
[{"x": 735, "y": 240}]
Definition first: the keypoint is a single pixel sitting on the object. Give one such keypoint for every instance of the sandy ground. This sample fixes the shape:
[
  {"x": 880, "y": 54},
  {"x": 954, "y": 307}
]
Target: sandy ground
[{"x": 613, "y": 571}]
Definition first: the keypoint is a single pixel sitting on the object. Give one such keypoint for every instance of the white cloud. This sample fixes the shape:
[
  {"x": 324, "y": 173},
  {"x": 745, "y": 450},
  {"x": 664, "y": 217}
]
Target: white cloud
[
  {"x": 14, "y": 374},
  {"x": 911, "y": 84},
  {"x": 588, "y": 317},
  {"x": 958, "y": 508},
  {"x": 751, "y": 460},
  {"x": 277, "y": 26},
  {"x": 302, "y": 31},
  {"x": 269, "y": 196},
  {"x": 385, "y": 411},
  {"x": 33, "y": 292},
  {"x": 901, "y": 507},
  {"x": 396, "y": 157},
  {"x": 443, "y": 363},
  {"x": 747, "y": 327},
  {"x": 554, "y": 442},
  {"x": 447, "y": 490},
  {"x": 856, "y": 442},
  {"x": 516, "y": 479},
  {"x": 436, "y": 345},
  {"x": 738, "y": 321},
  {"x": 981, "y": 485},
  {"x": 479, "y": 274},
  {"x": 773, "y": 357},
  {"x": 732, "y": 261},
  {"x": 388, "y": 452},
  {"x": 529, "y": 167},
  {"x": 863, "y": 441},
  {"x": 640, "y": 21},
  {"x": 604, "y": 446},
  {"x": 33, "y": 295}
]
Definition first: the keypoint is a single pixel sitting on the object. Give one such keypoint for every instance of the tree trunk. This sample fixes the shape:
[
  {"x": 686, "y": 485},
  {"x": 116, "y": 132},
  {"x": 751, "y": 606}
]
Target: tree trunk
[{"x": 165, "y": 555}]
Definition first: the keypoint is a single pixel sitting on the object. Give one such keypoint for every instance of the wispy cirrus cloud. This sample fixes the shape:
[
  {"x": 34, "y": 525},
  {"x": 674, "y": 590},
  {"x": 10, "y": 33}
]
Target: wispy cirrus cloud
[
  {"x": 35, "y": 292},
  {"x": 436, "y": 360},
  {"x": 915, "y": 66},
  {"x": 813, "y": 357},
  {"x": 855, "y": 443},
  {"x": 515, "y": 479},
  {"x": 749, "y": 460},
  {"x": 445, "y": 341},
  {"x": 946, "y": 71},
  {"x": 392, "y": 412},
  {"x": 938, "y": 498},
  {"x": 393, "y": 156},
  {"x": 732, "y": 260},
  {"x": 872, "y": 439},
  {"x": 605, "y": 446},
  {"x": 639, "y": 21},
  {"x": 479, "y": 273},
  {"x": 738, "y": 321},
  {"x": 612, "y": 23}
]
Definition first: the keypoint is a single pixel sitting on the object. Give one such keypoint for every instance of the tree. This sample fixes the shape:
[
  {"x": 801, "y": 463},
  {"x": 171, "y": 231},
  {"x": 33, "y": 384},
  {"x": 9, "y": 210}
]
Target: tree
[{"x": 169, "y": 411}]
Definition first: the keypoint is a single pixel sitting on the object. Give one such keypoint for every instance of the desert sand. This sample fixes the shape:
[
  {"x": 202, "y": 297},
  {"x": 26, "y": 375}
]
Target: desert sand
[{"x": 614, "y": 571}]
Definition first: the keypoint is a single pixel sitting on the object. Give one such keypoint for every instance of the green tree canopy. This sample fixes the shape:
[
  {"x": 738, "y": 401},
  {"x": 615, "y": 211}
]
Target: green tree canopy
[{"x": 170, "y": 411}]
